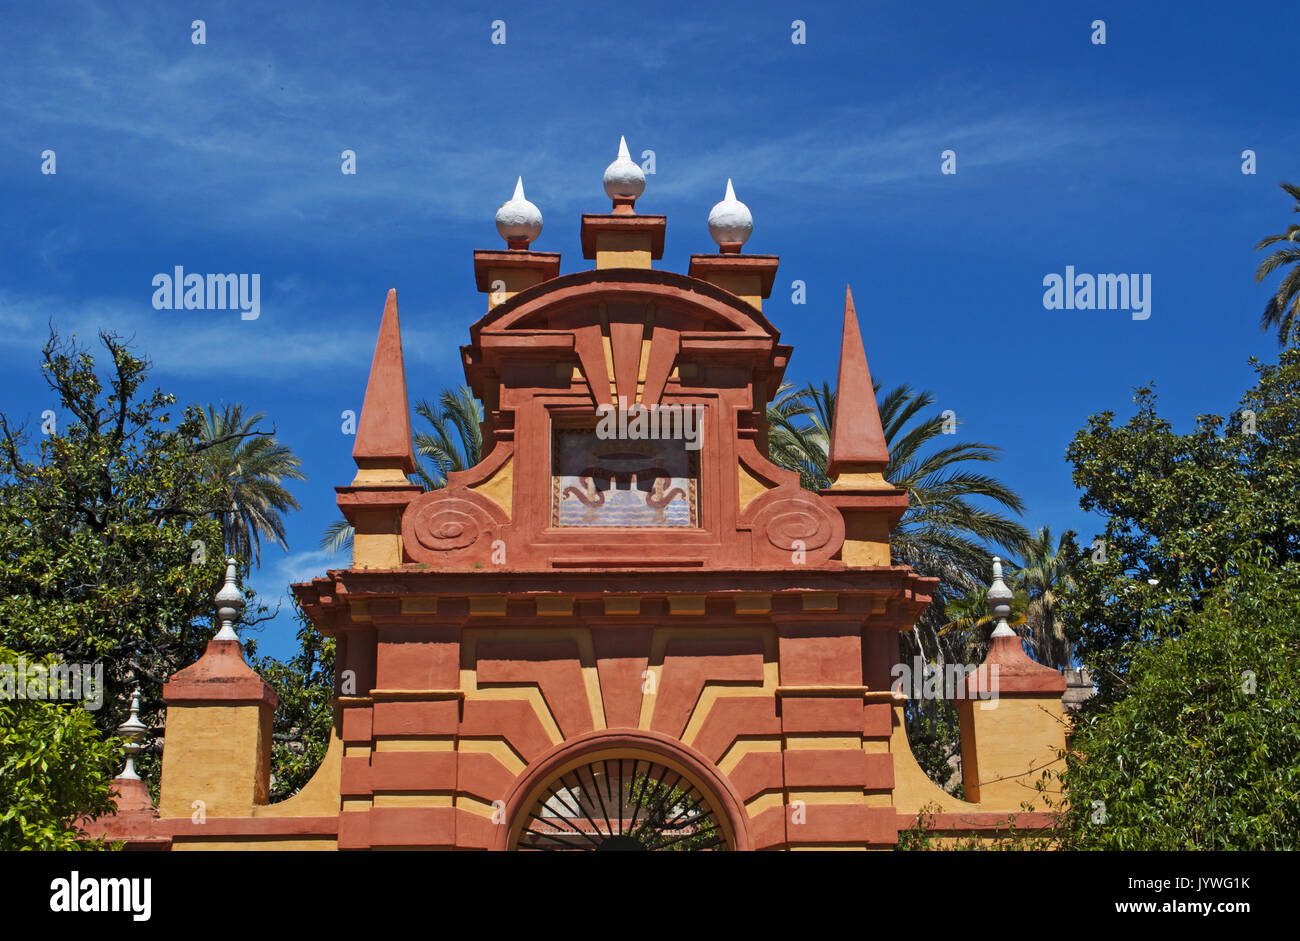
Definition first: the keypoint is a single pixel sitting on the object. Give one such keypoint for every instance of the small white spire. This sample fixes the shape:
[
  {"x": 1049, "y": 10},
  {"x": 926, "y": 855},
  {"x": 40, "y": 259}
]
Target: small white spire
[
  {"x": 519, "y": 222},
  {"x": 999, "y": 597},
  {"x": 230, "y": 601},
  {"x": 730, "y": 222},
  {"x": 624, "y": 180},
  {"x": 132, "y": 731}
]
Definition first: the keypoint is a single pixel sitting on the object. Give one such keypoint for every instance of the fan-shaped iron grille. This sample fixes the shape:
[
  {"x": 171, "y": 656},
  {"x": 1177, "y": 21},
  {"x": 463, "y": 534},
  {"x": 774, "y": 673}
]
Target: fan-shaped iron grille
[{"x": 622, "y": 804}]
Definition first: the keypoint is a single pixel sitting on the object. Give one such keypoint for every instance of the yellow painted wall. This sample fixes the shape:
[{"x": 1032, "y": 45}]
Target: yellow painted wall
[
  {"x": 216, "y": 754},
  {"x": 1006, "y": 748},
  {"x": 256, "y": 843}
]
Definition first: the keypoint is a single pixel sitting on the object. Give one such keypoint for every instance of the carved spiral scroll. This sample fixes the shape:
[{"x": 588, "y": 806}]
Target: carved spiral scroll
[
  {"x": 786, "y": 521},
  {"x": 450, "y": 525}
]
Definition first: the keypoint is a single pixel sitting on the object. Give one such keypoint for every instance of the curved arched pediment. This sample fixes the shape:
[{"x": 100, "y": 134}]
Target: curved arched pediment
[
  {"x": 706, "y": 307},
  {"x": 627, "y": 330}
]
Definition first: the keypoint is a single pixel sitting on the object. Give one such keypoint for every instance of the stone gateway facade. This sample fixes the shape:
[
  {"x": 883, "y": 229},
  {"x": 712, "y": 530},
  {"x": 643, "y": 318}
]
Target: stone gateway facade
[{"x": 625, "y": 627}]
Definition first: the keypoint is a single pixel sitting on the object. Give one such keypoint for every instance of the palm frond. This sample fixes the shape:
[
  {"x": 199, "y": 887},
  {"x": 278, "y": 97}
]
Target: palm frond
[
  {"x": 1282, "y": 312},
  {"x": 249, "y": 467},
  {"x": 337, "y": 536}
]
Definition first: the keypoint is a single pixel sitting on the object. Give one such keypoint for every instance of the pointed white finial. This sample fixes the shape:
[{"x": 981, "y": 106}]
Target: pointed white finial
[
  {"x": 999, "y": 597},
  {"x": 230, "y": 601},
  {"x": 132, "y": 731},
  {"x": 518, "y": 221},
  {"x": 624, "y": 180},
  {"x": 730, "y": 222}
]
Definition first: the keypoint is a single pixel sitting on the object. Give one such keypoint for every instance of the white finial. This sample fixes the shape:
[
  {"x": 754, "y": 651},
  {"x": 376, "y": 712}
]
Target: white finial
[
  {"x": 518, "y": 221},
  {"x": 999, "y": 597},
  {"x": 230, "y": 601},
  {"x": 132, "y": 730},
  {"x": 730, "y": 222},
  {"x": 624, "y": 180}
]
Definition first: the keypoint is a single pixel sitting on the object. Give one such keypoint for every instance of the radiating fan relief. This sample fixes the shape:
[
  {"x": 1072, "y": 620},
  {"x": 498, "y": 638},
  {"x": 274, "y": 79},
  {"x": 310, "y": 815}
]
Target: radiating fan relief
[{"x": 622, "y": 804}]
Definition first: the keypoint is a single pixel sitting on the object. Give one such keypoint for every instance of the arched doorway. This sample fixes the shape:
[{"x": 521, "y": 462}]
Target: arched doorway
[
  {"x": 627, "y": 790},
  {"x": 622, "y": 803}
]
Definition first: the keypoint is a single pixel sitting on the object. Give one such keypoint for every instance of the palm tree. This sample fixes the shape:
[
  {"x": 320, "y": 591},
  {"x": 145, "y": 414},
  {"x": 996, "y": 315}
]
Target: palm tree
[
  {"x": 454, "y": 444},
  {"x": 249, "y": 467},
  {"x": 799, "y": 445},
  {"x": 943, "y": 533},
  {"x": 1281, "y": 310},
  {"x": 1045, "y": 572}
]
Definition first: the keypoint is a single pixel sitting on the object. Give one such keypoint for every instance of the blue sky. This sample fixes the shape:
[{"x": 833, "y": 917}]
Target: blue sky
[{"x": 224, "y": 157}]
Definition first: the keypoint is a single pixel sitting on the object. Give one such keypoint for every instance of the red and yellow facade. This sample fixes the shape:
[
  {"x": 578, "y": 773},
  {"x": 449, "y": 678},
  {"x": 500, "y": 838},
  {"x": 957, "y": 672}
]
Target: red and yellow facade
[{"x": 495, "y": 637}]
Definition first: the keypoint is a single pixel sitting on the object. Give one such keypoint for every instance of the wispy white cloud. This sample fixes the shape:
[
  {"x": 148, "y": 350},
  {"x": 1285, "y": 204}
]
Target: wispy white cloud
[
  {"x": 280, "y": 346},
  {"x": 256, "y": 138},
  {"x": 272, "y": 582}
]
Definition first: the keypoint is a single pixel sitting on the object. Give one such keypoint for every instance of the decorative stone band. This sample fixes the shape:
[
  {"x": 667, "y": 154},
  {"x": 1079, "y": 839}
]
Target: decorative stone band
[
  {"x": 973, "y": 823},
  {"x": 597, "y": 227},
  {"x": 526, "y": 268},
  {"x": 749, "y": 277},
  {"x": 250, "y": 827},
  {"x": 354, "y": 500},
  {"x": 822, "y": 691},
  {"x": 890, "y": 503},
  {"x": 885, "y": 696}
]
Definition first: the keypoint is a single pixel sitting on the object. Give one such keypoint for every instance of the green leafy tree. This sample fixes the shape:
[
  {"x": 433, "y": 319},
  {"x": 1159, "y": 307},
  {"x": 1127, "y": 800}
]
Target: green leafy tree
[
  {"x": 1282, "y": 307},
  {"x": 1202, "y": 752},
  {"x": 934, "y": 734},
  {"x": 105, "y": 532},
  {"x": 1177, "y": 508},
  {"x": 304, "y": 715},
  {"x": 249, "y": 468},
  {"x": 55, "y": 770},
  {"x": 1184, "y": 611}
]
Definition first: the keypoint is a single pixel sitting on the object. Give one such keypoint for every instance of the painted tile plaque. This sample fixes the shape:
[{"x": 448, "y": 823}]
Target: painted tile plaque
[{"x": 641, "y": 483}]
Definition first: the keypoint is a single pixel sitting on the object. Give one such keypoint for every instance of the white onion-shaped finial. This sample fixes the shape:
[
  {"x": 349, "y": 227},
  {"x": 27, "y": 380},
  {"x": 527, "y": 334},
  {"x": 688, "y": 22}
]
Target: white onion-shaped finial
[
  {"x": 132, "y": 731},
  {"x": 230, "y": 601},
  {"x": 623, "y": 178},
  {"x": 730, "y": 222},
  {"x": 518, "y": 221},
  {"x": 999, "y": 597}
]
